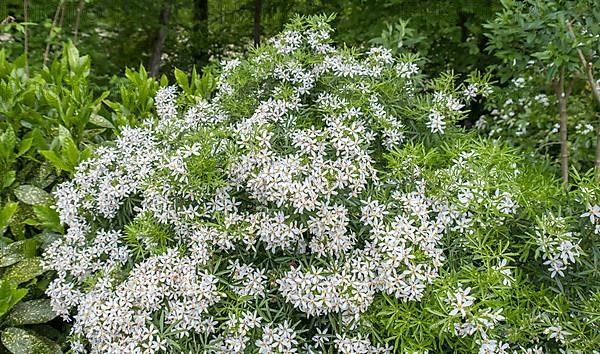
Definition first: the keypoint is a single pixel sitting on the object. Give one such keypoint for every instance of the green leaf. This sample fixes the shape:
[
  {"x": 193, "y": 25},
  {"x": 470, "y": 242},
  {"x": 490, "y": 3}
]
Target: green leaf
[
  {"x": 48, "y": 218},
  {"x": 13, "y": 248},
  {"x": 6, "y": 214},
  {"x": 17, "y": 251},
  {"x": 31, "y": 312},
  {"x": 32, "y": 195},
  {"x": 164, "y": 81},
  {"x": 10, "y": 259},
  {"x": 25, "y": 146},
  {"x": 55, "y": 160},
  {"x": 71, "y": 152},
  {"x": 182, "y": 80},
  {"x": 100, "y": 121},
  {"x": 20, "y": 341},
  {"x": 9, "y": 178},
  {"x": 9, "y": 296},
  {"x": 23, "y": 271},
  {"x": 44, "y": 177},
  {"x": 52, "y": 99},
  {"x": 45, "y": 239},
  {"x": 78, "y": 65},
  {"x": 63, "y": 133},
  {"x": 8, "y": 141},
  {"x": 17, "y": 225}
]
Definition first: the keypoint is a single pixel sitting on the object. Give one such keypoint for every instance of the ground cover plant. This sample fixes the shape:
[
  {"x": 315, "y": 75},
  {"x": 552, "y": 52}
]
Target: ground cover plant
[{"x": 322, "y": 200}]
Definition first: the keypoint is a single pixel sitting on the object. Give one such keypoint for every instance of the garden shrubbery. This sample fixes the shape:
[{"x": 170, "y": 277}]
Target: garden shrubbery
[{"x": 321, "y": 200}]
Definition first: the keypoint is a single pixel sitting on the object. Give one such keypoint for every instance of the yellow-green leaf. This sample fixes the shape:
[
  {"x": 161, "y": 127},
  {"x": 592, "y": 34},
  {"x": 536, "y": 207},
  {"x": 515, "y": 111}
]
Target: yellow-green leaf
[
  {"x": 23, "y": 271},
  {"x": 32, "y": 195},
  {"x": 31, "y": 312}
]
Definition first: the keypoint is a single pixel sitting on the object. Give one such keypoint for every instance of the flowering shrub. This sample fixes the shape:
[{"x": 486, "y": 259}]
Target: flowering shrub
[{"x": 306, "y": 208}]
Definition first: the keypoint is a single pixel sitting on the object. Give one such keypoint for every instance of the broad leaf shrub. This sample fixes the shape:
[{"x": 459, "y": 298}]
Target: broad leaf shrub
[
  {"x": 322, "y": 200},
  {"x": 48, "y": 120}
]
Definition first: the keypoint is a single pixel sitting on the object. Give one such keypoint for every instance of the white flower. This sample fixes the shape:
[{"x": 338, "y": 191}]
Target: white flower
[
  {"x": 297, "y": 181},
  {"x": 593, "y": 213},
  {"x": 407, "y": 70},
  {"x": 251, "y": 280},
  {"x": 460, "y": 301},
  {"x": 471, "y": 91},
  {"x": 557, "y": 333},
  {"x": 505, "y": 271},
  {"x": 436, "y": 122},
  {"x": 559, "y": 247}
]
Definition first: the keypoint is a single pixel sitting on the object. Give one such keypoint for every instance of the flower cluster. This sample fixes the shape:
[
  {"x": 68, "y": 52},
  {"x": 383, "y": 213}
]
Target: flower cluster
[
  {"x": 251, "y": 281},
  {"x": 117, "y": 317},
  {"x": 558, "y": 246}
]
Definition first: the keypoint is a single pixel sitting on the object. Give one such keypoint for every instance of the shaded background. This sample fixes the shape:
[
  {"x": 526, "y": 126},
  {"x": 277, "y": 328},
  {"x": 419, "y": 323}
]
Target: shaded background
[{"x": 165, "y": 34}]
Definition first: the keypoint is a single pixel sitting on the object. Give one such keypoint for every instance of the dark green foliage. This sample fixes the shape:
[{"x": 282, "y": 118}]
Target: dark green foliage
[
  {"x": 539, "y": 57},
  {"x": 202, "y": 31}
]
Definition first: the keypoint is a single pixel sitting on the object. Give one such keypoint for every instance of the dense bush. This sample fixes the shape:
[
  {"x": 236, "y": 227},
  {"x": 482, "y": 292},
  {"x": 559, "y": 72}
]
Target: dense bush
[{"x": 322, "y": 200}]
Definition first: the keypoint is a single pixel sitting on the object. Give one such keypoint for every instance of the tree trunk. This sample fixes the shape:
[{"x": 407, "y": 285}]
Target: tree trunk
[
  {"x": 77, "y": 20},
  {"x": 597, "y": 162},
  {"x": 257, "y": 16},
  {"x": 159, "y": 41},
  {"x": 26, "y": 36},
  {"x": 199, "y": 47},
  {"x": 564, "y": 142},
  {"x": 62, "y": 15},
  {"x": 54, "y": 22},
  {"x": 562, "y": 96}
]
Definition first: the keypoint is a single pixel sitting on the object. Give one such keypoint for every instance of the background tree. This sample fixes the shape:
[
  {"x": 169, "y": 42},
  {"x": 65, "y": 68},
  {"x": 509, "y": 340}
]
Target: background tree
[{"x": 532, "y": 39}]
